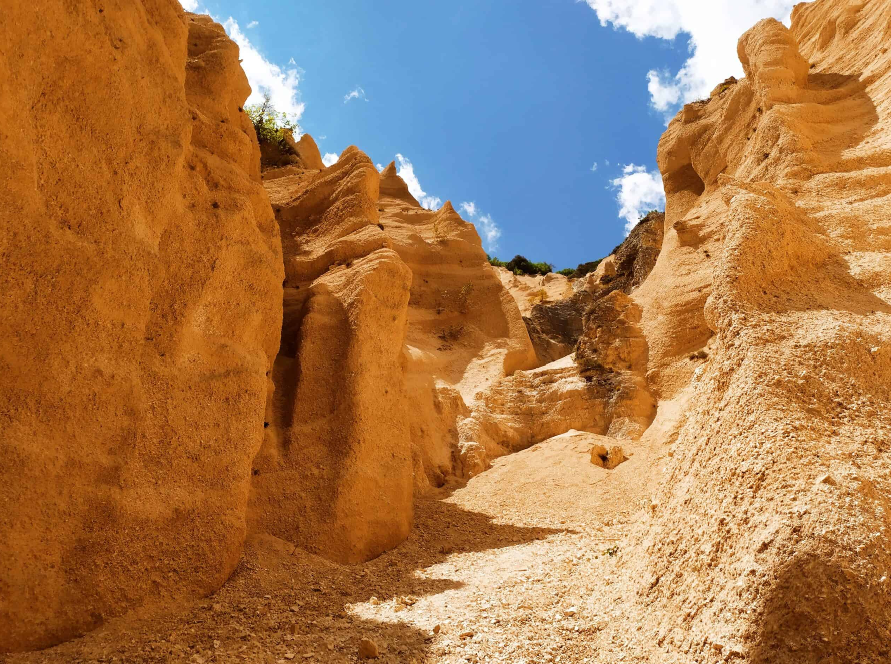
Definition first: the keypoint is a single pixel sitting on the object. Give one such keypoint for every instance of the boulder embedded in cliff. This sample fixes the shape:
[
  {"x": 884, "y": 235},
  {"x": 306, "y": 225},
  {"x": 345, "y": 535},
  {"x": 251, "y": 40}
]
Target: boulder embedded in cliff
[{"x": 140, "y": 288}]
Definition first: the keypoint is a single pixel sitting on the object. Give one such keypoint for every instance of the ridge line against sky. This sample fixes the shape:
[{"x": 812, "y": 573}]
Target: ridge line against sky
[{"x": 711, "y": 27}]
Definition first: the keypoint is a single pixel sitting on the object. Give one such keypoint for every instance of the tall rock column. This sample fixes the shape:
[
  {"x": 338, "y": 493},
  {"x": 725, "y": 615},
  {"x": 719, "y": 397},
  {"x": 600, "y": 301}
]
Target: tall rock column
[{"x": 334, "y": 475}]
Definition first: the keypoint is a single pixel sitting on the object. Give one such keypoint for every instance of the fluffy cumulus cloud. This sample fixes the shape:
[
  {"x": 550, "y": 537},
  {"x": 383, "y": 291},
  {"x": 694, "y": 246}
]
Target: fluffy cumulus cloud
[
  {"x": 639, "y": 191},
  {"x": 253, "y": 24},
  {"x": 713, "y": 27},
  {"x": 489, "y": 231},
  {"x": 406, "y": 171},
  {"x": 330, "y": 158},
  {"x": 189, "y": 5},
  {"x": 267, "y": 77},
  {"x": 355, "y": 93}
]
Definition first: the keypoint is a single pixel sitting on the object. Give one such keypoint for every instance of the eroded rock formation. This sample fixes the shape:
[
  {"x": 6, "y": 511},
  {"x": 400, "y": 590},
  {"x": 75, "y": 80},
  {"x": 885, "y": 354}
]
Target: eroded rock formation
[
  {"x": 393, "y": 320},
  {"x": 335, "y": 472},
  {"x": 141, "y": 300},
  {"x": 735, "y": 353},
  {"x": 769, "y": 310}
]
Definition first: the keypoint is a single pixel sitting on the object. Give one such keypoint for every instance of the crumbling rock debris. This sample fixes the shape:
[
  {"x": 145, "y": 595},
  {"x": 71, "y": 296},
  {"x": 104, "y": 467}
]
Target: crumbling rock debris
[
  {"x": 607, "y": 458},
  {"x": 556, "y": 325}
]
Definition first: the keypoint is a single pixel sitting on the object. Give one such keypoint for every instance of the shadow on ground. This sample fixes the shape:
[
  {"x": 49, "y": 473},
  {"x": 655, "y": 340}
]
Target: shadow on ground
[{"x": 284, "y": 605}]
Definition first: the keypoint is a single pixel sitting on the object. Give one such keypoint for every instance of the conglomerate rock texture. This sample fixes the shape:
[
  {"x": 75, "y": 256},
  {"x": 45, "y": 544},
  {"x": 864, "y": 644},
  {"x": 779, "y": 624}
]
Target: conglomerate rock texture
[{"x": 140, "y": 293}]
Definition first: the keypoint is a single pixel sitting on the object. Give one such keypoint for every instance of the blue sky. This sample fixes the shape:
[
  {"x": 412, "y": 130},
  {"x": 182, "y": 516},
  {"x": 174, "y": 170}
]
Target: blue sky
[{"x": 503, "y": 104}]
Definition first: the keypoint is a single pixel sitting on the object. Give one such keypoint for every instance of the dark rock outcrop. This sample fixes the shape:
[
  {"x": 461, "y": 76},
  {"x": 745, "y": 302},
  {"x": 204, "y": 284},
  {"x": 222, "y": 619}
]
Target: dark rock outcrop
[{"x": 555, "y": 327}]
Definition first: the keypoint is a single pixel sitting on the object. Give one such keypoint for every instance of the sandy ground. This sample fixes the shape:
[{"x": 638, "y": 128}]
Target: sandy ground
[{"x": 517, "y": 566}]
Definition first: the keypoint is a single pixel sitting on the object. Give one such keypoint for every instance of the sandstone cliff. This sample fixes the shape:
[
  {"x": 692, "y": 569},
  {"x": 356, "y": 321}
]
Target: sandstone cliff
[
  {"x": 141, "y": 300},
  {"x": 335, "y": 473},
  {"x": 768, "y": 313}
]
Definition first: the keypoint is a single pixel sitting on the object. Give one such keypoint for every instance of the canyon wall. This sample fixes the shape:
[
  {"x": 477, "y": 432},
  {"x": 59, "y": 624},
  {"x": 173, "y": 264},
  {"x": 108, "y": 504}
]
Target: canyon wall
[
  {"x": 769, "y": 313},
  {"x": 335, "y": 472},
  {"x": 141, "y": 300}
]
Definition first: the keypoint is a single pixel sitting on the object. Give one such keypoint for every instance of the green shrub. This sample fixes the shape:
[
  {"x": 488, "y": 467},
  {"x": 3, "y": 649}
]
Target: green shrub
[
  {"x": 269, "y": 123},
  {"x": 645, "y": 216},
  {"x": 522, "y": 265},
  {"x": 585, "y": 269},
  {"x": 566, "y": 272},
  {"x": 541, "y": 295},
  {"x": 493, "y": 260}
]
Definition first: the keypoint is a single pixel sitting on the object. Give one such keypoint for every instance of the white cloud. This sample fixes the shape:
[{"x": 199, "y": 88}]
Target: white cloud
[
  {"x": 254, "y": 24},
  {"x": 713, "y": 26},
  {"x": 663, "y": 96},
  {"x": 292, "y": 62},
  {"x": 356, "y": 93},
  {"x": 265, "y": 76},
  {"x": 379, "y": 167},
  {"x": 406, "y": 171},
  {"x": 485, "y": 225},
  {"x": 594, "y": 167},
  {"x": 330, "y": 158},
  {"x": 189, "y": 5},
  {"x": 489, "y": 231},
  {"x": 639, "y": 192}
]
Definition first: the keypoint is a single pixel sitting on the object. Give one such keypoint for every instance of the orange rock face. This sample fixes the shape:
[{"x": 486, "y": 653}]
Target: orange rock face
[
  {"x": 141, "y": 300},
  {"x": 335, "y": 472},
  {"x": 189, "y": 351},
  {"x": 769, "y": 313}
]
